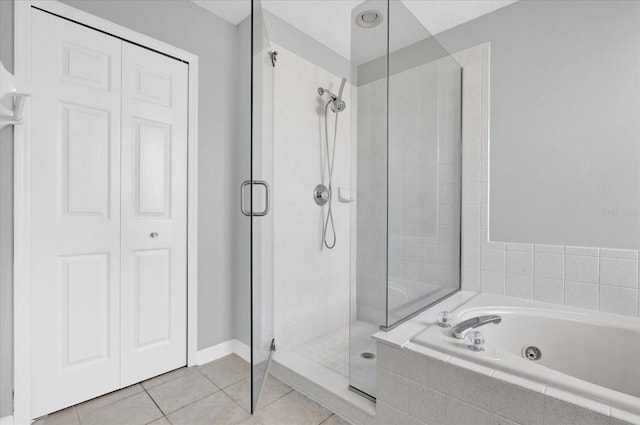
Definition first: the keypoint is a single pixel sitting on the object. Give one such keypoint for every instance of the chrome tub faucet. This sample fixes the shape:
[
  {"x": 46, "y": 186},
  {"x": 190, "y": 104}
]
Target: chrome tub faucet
[{"x": 461, "y": 330}]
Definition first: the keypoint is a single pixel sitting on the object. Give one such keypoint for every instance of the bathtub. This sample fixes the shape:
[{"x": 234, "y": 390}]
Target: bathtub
[{"x": 590, "y": 355}]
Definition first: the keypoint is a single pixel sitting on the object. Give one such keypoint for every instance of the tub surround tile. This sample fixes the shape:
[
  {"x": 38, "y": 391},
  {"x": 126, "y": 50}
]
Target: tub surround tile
[
  {"x": 581, "y": 269},
  {"x": 558, "y": 412},
  {"x": 427, "y": 405},
  {"x": 549, "y": 249},
  {"x": 493, "y": 260},
  {"x": 548, "y": 265},
  {"x": 516, "y": 380},
  {"x": 580, "y": 251},
  {"x": 618, "y": 300},
  {"x": 623, "y": 254},
  {"x": 519, "y": 286},
  {"x": 394, "y": 389},
  {"x": 577, "y": 400},
  {"x": 492, "y": 282},
  {"x": 519, "y": 262},
  {"x": 465, "y": 364},
  {"x": 581, "y": 295},
  {"x": 389, "y": 415},
  {"x": 476, "y": 397},
  {"x": 619, "y": 272},
  {"x": 461, "y": 413},
  {"x": 548, "y": 290},
  {"x": 522, "y": 247}
]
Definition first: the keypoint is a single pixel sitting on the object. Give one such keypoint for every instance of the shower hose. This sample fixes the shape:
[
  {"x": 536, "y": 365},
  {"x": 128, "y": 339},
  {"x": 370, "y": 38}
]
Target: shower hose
[{"x": 331, "y": 155}]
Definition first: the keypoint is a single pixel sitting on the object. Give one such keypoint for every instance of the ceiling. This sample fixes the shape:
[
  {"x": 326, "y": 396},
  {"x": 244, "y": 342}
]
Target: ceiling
[{"x": 329, "y": 21}]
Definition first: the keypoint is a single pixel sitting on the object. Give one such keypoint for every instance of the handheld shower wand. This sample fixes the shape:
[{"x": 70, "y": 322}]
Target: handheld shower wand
[
  {"x": 337, "y": 104},
  {"x": 325, "y": 196}
]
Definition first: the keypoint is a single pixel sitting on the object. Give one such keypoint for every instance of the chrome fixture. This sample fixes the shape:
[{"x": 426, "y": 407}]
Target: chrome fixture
[
  {"x": 337, "y": 104},
  {"x": 369, "y": 19},
  {"x": 250, "y": 183},
  {"x": 476, "y": 341},
  {"x": 321, "y": 195},
  {"x": 324, "y": 194},
  {"x": 532, "y": 353},
  {"x": 461, "y": 330}
]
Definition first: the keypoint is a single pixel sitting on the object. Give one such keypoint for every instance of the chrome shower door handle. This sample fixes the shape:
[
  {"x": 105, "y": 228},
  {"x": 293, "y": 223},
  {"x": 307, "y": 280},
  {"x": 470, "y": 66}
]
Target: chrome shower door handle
[{"x": 243, "y": 207}]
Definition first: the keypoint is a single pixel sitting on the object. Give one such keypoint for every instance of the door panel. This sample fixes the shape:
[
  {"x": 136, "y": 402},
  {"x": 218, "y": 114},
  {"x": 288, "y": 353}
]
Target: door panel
[
  {"x": 74, "y": 220},
  {"x": 154, "y": 214}
]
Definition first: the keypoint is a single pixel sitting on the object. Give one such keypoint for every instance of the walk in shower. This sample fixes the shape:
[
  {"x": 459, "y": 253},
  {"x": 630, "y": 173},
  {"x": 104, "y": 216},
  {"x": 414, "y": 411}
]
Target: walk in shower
[{"x": 356, "y": 195}]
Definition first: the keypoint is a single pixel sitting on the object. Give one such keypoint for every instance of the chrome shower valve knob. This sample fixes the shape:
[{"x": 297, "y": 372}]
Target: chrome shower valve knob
[{"x": 476, "y": 341}]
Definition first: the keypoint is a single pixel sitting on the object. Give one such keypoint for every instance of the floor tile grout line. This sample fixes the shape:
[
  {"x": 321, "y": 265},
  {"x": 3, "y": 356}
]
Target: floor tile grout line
[
  {"x": 156, "y": 404},
  {"x": 186, "y": 405},
  {"x": 108, "y": 404}
]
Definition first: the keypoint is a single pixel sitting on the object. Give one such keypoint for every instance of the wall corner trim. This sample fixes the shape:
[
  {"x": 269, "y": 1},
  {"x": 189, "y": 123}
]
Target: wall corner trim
[{"x": 233, "y": 346}]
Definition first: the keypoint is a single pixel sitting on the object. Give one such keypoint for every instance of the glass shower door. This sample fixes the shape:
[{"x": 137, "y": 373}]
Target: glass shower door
[{"x": 262, "y": 343}]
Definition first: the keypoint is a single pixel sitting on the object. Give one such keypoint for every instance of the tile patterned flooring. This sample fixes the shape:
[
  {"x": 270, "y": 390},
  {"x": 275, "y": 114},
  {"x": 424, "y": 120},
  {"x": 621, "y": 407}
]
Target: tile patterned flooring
[
  {"x": 341, "y": 351},
  {"x": 216, "y": 393}
]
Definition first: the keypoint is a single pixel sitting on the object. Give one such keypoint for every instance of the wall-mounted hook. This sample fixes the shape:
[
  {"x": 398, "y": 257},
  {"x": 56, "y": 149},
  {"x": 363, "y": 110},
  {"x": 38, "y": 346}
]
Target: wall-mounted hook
[{"x": 274, "y": 57}]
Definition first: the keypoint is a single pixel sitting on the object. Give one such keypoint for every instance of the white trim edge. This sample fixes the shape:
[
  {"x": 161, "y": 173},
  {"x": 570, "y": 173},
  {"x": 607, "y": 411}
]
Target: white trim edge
[
  {"x": 233, "y": 346},
  {"x": 7, "y": 420}
]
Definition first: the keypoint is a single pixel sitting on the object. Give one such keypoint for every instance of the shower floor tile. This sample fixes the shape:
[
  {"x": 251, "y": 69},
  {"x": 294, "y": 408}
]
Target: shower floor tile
[{"x": 341, "y": 352}]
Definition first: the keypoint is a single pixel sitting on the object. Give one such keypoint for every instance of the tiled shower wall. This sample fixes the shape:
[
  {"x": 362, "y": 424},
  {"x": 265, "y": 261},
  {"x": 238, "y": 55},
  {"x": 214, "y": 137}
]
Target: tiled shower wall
[
  {"x": 592, "y": 278},
  {"x": 311, "y": 283},
  {"x": 424, "y": 171}
]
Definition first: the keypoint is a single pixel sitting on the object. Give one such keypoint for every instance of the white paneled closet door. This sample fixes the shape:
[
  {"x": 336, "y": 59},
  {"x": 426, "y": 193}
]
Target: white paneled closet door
[
  {"x": 108, "y": 226},
  {"x": 154, "y": 213},
  {"x": 74, "y": 233}
]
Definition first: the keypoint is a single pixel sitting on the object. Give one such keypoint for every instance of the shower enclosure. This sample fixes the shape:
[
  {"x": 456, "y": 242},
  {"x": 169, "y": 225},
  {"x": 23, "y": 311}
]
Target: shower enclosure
[{"x": 376, "y": 160}]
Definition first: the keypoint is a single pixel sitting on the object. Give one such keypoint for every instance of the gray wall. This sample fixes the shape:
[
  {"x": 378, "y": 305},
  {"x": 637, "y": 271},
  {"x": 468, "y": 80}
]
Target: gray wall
[
  {"x": 221, "y": 247},
  {"x": 565, "y": 101},
  {"x": 6, "y": 227}
]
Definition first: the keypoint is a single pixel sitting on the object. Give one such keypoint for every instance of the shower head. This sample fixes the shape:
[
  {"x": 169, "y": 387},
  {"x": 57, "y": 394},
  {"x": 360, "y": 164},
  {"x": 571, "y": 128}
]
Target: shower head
[{"x": 337, "y": 104}]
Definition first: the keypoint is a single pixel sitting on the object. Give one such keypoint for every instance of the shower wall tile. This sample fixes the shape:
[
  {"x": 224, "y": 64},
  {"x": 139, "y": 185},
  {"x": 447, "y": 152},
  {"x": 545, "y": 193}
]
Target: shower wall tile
[
  {"x": 424, "y": 185},
  {"x": 311, "y": 283}
]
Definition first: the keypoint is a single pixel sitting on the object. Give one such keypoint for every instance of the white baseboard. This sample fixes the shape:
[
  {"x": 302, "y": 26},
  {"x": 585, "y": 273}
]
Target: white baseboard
[
  {"x": 7, "y": 420},
  {"x": 233, "y": 346}
]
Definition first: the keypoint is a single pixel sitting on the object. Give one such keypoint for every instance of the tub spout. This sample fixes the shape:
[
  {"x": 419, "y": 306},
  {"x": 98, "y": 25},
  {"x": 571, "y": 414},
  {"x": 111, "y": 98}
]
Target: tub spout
[{"x": 461, "y": 330}]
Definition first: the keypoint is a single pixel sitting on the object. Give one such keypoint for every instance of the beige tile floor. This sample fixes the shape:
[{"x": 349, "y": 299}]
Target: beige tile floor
[{"x": 213, "y": 394}]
